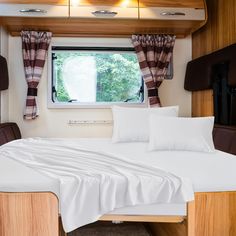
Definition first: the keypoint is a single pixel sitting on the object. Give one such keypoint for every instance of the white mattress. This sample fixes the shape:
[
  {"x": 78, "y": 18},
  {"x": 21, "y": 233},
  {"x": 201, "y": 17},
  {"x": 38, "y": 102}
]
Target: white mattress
[{"x": 209, "y": 172}]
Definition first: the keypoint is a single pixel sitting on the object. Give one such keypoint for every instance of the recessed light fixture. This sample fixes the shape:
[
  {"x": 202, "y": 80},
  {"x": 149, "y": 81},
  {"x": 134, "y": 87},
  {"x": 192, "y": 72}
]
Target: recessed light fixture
[
  {"x": 125, "y": 3},
  {"x": 74, "y": 3}
]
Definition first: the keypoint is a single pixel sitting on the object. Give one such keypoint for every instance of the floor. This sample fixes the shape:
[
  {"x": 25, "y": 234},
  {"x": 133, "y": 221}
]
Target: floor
[{"x": 110, "y": 229}]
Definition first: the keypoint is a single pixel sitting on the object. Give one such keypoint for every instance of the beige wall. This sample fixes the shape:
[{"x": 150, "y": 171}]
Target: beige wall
[{"x": 53, "y": 122}]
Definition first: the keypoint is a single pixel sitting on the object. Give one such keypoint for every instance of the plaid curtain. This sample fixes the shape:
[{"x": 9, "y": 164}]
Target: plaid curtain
[
  {"x": 34, "y": 46},
  {"x": 154, "y": 54}
]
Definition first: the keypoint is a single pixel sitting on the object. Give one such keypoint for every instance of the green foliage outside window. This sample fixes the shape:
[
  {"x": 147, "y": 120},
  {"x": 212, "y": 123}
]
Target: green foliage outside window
[{"x": 118, "y": 76}]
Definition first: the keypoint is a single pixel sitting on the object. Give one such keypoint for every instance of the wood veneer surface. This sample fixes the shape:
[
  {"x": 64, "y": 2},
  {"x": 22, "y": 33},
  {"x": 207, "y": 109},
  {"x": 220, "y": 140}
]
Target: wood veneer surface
[
  {"x": 98, "y": 27},
  {"x": 36, "y": 214},
  {"x": 143, "y": 3},
  {"x": 219, "y": 32},
  {"x": 28, "y": 214}
]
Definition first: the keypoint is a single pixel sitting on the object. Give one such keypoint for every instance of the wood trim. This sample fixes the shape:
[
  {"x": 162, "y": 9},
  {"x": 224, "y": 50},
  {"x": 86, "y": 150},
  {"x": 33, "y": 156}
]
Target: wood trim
[
  {"x": 143, "y": 218},
  {"x": 203, "y": 23},
  {"x": 72, "y": 27},
  {"x": 191, "y": 219}
]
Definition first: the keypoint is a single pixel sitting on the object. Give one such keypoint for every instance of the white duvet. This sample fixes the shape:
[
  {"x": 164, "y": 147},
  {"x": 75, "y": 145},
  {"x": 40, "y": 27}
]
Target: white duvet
[{"x": 93, "y": 183}]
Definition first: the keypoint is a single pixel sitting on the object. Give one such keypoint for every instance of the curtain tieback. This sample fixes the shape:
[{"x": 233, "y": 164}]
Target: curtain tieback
[
  {"x": 152, "y": 92},
  {"x": 32, "y": 92}
]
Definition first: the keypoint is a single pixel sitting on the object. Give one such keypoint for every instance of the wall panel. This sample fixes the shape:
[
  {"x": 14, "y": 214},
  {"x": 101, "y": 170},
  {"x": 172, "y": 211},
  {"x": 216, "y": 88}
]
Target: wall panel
[
  {"x": 219, "y": 32},
  {"x": 54, "y": 122}
]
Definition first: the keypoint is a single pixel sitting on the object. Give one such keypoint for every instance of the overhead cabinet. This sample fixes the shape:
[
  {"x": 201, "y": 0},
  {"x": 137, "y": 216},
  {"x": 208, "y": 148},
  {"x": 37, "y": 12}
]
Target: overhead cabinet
[
  {"x": 172, "y": 10},
  {"x": 34, "y": 9},
  {"x": 115, "y": 18},
  {"x": 163, "y": 13}
]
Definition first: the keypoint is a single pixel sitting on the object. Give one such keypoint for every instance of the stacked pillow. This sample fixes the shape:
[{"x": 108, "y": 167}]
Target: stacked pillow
[{"x": 163, "y": 129}]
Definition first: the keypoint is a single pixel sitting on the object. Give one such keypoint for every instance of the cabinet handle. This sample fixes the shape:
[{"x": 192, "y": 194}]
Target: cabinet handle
[
  {"x": 104, "y": 13},
  {"x": 33, "y": 11},
  {"x": 173, "y": 13}
]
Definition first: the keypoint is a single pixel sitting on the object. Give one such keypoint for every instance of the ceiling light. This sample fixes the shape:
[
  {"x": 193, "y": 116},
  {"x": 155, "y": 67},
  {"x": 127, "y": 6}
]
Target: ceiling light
[{"x": 74, "y": 3}]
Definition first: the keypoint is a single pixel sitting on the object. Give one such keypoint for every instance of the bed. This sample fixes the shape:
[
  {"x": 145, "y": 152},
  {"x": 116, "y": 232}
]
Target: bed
[{"x": 212, "y": 212}]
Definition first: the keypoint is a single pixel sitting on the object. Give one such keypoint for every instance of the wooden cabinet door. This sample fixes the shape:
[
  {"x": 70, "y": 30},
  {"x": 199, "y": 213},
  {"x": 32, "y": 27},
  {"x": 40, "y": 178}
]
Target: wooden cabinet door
[
  {"x": 37, "y": 8},
  {"x": 172, "y": 10},
  {"x": 110, "y": 9}
]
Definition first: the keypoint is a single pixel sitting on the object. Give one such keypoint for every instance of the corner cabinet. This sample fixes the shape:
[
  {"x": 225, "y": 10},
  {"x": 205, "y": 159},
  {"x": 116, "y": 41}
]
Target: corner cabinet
[{"x": 105, "y": 18}]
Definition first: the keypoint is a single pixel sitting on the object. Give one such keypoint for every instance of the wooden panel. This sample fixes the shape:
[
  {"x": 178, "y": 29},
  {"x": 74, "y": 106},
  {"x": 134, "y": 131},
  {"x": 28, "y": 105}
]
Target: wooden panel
[
  {"x": 28, "y": 214},
  {"x": 140, "y": 218},
  {"x": 191, "y": 218},
  {"x": 172, "y": 3},
  {"x": 215, "y": 214},
  {"x": 98, "y": 27},
  {"x": 219, "y": 32},
  {"x": 152, "y": 3},
  {"x": 168, "y": 229},
  {"x": 36, "y": 214},
  {"x": 125, "y": 3},
  {"x": 202, "y": 103},
  {"x": 53, "y": 2}
]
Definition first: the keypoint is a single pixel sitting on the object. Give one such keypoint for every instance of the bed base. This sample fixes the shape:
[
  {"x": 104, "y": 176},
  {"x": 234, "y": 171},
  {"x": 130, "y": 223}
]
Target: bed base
[{"x": 36, "y": 214}]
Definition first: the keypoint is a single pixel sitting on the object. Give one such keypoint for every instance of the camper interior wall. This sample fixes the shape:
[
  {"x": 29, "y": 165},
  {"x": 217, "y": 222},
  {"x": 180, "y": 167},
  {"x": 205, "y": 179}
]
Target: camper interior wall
[
  {"x": 4, "y": 106},
  {"x": 54, "y": 122}
]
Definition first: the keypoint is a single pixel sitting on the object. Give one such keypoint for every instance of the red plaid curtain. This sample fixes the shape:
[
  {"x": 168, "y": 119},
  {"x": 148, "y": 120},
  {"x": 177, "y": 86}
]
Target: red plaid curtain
[
  {"x": 35, "y": 46},
  {"x": 154, "y": 54}
]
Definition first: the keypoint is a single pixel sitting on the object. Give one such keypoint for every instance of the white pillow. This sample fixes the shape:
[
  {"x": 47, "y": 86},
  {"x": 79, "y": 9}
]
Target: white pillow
[
  {"x": 132, "y": 124},
  {"x": 187, "y": 134}
]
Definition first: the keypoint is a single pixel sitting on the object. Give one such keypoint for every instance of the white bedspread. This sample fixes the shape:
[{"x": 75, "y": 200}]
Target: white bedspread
[{"x": 93, "y": 183}]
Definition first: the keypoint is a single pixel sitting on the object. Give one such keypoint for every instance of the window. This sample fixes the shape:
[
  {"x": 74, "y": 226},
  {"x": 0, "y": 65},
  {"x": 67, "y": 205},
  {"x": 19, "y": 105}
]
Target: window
[{"x": 95, "y": 75}]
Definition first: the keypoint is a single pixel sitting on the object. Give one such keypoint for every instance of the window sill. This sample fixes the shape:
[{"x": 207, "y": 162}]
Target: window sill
[{"x": 61, "y": 105}]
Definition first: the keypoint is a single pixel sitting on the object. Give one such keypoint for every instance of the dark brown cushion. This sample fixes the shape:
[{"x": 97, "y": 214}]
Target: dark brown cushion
[
  {"x": 4, "y": 80},
  {"x": 199, "y": 74},
  {"x": 9, "y": 132},
  {"x": 225, "y": 138}
]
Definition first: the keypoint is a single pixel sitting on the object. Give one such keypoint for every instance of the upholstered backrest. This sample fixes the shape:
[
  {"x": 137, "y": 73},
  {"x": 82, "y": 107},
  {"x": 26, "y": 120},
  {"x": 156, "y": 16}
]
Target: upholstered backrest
[
  {"x": 199, "y": 71},
  {"x": 9, "y": 132},
  {"x": 225, "y": 138},
  {"x": 4, "y": 77}
]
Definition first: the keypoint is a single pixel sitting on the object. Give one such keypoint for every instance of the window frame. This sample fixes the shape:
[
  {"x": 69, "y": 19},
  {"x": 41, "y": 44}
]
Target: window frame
[{"x": 96, "y": 105}]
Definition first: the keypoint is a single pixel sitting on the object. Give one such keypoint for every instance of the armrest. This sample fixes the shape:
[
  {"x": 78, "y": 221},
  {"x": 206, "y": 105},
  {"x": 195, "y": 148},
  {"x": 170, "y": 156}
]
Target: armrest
[{"x": 9, "y": 132}]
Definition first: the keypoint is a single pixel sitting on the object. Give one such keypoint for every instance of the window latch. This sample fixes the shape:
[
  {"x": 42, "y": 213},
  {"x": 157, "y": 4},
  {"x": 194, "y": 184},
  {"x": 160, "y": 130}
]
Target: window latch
[{"x": 73, "y": 100}]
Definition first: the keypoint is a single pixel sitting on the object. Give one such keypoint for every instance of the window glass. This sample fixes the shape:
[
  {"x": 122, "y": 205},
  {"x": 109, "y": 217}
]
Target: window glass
[{"x": 96, "y": 75}]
